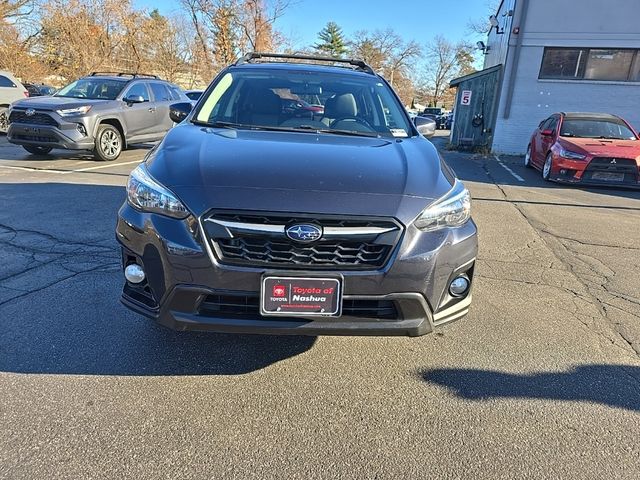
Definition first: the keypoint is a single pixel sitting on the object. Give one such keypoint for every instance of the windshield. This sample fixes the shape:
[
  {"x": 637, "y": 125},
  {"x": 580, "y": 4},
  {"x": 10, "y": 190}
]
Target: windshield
[
  {"x": 303, "y": 101},
  {"x": 93, "y": 88},
  {"x": 591, "y": 128}
]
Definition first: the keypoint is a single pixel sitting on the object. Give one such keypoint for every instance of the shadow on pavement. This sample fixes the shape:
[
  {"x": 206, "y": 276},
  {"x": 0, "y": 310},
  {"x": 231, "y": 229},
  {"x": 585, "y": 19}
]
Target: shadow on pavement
[
  {"x": 613, "y": 385},
  {"x": 60, "y": 275}
]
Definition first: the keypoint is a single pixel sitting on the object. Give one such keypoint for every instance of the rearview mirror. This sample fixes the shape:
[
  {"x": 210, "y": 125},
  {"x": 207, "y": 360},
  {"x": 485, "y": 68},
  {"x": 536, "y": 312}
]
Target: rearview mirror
[
  {"x": 306, "y": 89},
  {"x": 179, "y": 111},
  {"x": 547, "y": 132},
  {"x": 135, "y": 99},
  {"x": 426, "y": 126}
]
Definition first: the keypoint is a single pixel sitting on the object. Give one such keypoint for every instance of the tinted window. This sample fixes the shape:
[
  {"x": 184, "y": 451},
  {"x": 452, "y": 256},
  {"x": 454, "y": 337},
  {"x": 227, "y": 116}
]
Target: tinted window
[
  {"x": 591, "y": 64},
  {"x": 345, "y": 102},
  {"x": 595, "y": 128},
  {"x": 609, "y": 64},
  {"x": 93, "y": 88},
  {"x": 562, "y": 63},
  {"x": 138, "y": 90},
  {"x": 160, "y": 92},
  {"x": 175, "y": 93},
  {"x": 5, "y": 82}
]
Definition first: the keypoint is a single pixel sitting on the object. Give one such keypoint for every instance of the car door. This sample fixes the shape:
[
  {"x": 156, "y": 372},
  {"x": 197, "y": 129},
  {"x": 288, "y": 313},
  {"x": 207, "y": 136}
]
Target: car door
[
  {"x": 162, "y": 99},
  {"x": 547, "y": 140},
  {"x": 538, "y": 147},
  {"x": 10, "y": 90},
  {"x": 139, "y": 116}
]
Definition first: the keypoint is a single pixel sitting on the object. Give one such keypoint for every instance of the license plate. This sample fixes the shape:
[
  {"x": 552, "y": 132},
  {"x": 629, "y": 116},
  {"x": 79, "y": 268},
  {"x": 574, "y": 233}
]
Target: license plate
[
  {"x": 308, "y": 296},
  {"x": 608, "y": 176}
]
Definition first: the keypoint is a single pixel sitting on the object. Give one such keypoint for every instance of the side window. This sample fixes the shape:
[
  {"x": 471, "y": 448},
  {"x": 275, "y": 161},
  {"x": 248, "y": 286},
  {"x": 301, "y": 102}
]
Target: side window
[
  {"x": 545, "y": 124},
  {"x": 175, "y": 93},
  {"x": 160, "y": 92},
  {"x": 553, "y": 123},
  {"x": 138, "y": 90},
  {"x": 5, "y": 82}
]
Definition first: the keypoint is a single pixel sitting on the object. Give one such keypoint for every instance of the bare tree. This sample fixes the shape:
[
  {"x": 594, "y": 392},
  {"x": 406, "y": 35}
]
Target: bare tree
[
  {"x": 445, "y": 60},
  {"x": 388, "y": 53}
]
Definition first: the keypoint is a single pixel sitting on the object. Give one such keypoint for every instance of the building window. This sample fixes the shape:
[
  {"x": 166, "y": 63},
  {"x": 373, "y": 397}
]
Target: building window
[{"x": 591, "y": 64}]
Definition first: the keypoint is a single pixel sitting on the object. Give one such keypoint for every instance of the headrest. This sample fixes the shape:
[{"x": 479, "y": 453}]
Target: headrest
[
  {"x": 265, "y": 102},
  {"x": 340, "y": 106}
]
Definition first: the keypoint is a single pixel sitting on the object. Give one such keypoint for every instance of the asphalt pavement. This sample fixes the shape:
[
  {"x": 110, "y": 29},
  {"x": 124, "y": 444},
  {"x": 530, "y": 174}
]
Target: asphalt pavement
[{"x": 540, "y": 380}]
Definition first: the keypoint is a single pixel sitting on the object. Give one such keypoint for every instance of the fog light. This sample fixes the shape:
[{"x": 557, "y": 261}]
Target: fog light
[
  {"x": 81, "y": 129},
  {"x": 134, "y": 273},
  {"x": 459, "y": 286}
]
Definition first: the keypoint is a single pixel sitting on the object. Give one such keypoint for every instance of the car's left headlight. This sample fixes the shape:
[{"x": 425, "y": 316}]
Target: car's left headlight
[
  {"x": 452, "y": 210},
  {"x": 70, "y": 112},
  {"x": 571, "y": 155},
  {"x": 145, "y": 194}
]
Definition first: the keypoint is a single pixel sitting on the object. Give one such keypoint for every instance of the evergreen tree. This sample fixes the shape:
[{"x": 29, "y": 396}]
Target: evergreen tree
[{"x": 332, "y": 41}]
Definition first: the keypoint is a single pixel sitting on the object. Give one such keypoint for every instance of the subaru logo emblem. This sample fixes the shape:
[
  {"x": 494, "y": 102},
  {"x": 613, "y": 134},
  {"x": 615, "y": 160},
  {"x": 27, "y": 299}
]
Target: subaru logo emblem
[
  {"x": 29, "y": 112},
  {"x": 304, "y": 233}
]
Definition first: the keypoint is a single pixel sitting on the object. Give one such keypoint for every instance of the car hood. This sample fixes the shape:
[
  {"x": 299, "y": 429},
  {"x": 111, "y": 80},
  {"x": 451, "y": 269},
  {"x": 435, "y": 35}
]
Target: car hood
[
  {"x": 299, "y": 172},
  {"x": 55, "y": 103},
  {"x": 603, "y": 147}
]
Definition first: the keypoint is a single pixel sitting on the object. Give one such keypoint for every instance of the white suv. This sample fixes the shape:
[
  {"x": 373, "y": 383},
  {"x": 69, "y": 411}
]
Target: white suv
[{"x": 10, "y": 91}]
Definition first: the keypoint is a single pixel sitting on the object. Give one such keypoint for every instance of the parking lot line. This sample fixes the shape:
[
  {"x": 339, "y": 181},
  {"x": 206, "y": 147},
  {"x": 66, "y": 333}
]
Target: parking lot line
[
  {"x": 66, "y": 172},
  {"x": 514, "y": 174},
  {"x": 102, "y": 166}
]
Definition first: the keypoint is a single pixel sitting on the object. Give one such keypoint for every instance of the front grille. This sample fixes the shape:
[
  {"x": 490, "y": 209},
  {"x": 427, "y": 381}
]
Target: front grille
[
  {"x": 245, "y": 305},
  {"x": 36, "y": 138},
  {"x": 626, "y": 166},
  {"x": 19, "y": 116},
  {"x": 339, "y": 248},
  {"x": 340, "y": 253}
]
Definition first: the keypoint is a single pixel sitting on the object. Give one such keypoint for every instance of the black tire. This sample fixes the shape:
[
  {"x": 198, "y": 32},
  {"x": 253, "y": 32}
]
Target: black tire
[
  {"x": 546, "y": 172},
  {"x": 37, "y": 150},
  {"x": 4, "y": 119},
  {"x": 108, "y": 143}
]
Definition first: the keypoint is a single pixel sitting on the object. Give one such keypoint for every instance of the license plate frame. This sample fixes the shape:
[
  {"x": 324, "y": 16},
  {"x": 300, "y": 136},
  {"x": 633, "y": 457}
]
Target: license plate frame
[
  {"x": 617, "y": 177},
  {"x": 301, "y": 301}
]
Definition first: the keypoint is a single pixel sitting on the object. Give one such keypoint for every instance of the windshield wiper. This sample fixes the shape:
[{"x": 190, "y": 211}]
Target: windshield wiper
[{"x": 352, "y": 133}]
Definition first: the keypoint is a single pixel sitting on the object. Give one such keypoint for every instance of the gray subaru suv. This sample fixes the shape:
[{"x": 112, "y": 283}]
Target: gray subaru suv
[
  {"x": 102, "y": 113},
  {"x": 253, "y": 217}
]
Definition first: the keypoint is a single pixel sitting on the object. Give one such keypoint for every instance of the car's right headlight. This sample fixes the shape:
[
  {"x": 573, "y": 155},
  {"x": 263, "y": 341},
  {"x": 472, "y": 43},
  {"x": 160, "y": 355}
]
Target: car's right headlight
[
  {"x": 452, "y": 210},
  {"x": 70, "y": 112},
  {"x": 145, "y": 194}
]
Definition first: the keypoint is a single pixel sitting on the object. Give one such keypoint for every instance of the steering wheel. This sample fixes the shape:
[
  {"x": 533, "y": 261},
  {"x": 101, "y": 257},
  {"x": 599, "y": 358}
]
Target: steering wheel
[{"x": 358, "y": 120}]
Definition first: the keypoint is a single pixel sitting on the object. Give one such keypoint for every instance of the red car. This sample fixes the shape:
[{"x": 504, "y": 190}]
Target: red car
[{"x": 586, "y": 148}]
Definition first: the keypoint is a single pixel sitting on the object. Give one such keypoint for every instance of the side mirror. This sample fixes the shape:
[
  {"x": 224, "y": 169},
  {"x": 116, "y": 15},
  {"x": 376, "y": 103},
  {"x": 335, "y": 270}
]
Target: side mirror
[
  {"x": 135, "y": 99},
  {"x": 547, "y": 132},
  {"x": 426, "y": 126},
  {"x": 179, "y": 111}
]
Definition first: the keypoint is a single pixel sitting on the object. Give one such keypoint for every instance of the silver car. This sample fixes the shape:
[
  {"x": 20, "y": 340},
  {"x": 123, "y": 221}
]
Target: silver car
[
  {"x": 102, "y": 113},
  {"x": 11, "y": 90}
]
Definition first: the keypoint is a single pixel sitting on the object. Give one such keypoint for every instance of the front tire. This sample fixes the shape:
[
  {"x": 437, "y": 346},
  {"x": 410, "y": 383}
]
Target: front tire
[
  {"x": 546, "y": 169},
  {"x": 527, "y": 158},
  {"x": 36, "y": 150},
  {"x": 4, "y": 120},
  {"x": 108, "y": 143}
]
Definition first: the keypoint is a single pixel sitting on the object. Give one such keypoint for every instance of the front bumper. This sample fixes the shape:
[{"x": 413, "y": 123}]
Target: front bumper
[
  {"x": 183, "y": 272},
  {"x": 583, "y": 173},
  {"x": 66, "y": 135}
]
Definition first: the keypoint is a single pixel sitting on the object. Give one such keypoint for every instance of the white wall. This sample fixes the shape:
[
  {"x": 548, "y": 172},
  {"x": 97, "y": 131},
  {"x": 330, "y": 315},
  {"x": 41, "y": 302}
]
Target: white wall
[{"x": 587, "y": 23}]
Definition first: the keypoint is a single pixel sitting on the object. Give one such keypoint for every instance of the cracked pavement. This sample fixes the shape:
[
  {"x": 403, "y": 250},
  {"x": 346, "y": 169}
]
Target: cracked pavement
[{"x": 540, "y": 380}]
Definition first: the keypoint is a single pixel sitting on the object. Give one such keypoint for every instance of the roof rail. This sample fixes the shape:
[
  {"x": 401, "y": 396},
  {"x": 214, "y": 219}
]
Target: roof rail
[
  {"x": 125, "y": 74},
  {"x": 253, "y": 56}
]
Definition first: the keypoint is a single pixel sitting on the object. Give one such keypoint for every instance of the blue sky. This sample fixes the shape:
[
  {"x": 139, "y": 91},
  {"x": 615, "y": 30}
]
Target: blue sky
[{"x": 418, "y": 20}]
